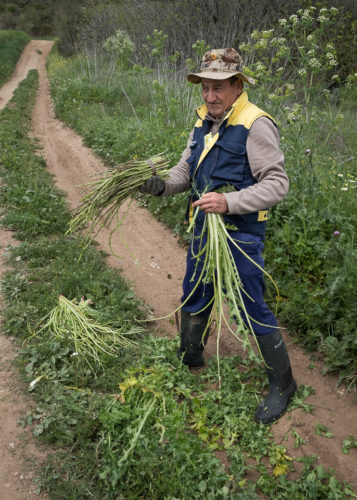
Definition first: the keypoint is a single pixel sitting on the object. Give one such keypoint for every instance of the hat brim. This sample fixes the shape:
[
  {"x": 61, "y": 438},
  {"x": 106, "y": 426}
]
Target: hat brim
[{"x": 218, "y": 75}]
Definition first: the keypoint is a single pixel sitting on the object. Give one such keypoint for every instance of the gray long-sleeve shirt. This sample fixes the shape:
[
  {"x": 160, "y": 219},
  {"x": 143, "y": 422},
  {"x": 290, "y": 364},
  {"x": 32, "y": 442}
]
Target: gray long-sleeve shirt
[{"x": 266, "y": 161}]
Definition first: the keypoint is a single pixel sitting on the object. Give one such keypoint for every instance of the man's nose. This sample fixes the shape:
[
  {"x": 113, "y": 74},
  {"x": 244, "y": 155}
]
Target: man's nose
[{"x": 211, "y": 96}]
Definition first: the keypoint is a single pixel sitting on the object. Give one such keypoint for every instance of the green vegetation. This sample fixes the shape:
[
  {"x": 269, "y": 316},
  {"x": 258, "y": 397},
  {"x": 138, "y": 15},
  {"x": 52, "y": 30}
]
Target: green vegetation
[
  {"x": 142, "y": 425},
  {"x": 310, "y": 245},
  {"x": 85, "y": 23},
  {"x": 39, "y": 18},
  {"x": 11, "y": 46}
]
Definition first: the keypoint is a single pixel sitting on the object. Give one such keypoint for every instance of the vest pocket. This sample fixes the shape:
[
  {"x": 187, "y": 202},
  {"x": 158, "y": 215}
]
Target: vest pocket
[{"x": 230, "y": 161}]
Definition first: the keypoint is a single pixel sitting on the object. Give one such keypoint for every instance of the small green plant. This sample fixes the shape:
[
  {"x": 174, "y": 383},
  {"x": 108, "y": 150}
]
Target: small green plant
[
  {"x": 322, "y": 430},
  {"x": 199, "y": 48},
  {"x": 348, "y": 443},
  {"x": 157, "y": 42},
  {"x": 299, "y": 441}
]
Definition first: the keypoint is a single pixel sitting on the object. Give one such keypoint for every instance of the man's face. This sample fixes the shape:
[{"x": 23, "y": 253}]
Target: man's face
[{"x": 219, "y": 95}]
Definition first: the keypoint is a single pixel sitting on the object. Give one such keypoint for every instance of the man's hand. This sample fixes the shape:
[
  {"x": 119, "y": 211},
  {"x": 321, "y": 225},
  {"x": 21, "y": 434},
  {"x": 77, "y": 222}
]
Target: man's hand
[
  {"x": 154, "y": 185},
  {"x": 212, "y": 203}
]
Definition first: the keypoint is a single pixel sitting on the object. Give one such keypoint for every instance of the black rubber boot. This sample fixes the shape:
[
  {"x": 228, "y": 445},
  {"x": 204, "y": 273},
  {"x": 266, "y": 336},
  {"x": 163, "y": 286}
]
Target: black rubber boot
[
  {"x": 193, "y": 328},
  {"x": 282, "y": 383}
]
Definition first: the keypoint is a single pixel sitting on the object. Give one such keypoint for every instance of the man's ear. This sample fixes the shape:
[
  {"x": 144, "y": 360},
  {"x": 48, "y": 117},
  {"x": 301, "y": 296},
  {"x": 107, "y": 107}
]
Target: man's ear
[{"x": 239, "y": 85}]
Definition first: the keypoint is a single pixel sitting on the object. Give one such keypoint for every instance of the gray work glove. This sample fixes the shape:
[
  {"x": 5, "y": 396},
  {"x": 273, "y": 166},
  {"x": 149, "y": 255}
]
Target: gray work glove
[{"x": 154, "y": 186}]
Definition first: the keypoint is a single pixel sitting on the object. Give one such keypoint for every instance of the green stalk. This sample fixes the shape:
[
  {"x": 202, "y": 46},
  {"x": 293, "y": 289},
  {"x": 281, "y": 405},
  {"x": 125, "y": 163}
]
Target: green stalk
[{"x": 149, "y": 409}]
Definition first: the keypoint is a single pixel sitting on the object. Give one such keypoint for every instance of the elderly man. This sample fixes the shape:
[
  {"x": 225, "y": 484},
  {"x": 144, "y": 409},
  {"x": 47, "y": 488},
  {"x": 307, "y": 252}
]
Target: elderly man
[{"x": 233, "y": 143}]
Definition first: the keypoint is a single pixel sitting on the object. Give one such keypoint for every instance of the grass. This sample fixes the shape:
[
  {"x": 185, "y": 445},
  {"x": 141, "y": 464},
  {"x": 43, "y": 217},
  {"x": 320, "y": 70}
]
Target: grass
[
  {"x": 143, "y": 425},
  {"x": 12, "y": 43}
]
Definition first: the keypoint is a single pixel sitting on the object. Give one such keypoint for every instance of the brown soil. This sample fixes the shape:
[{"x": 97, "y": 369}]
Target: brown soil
[
  {"x": 19, "y": 454},
  {"x": 152, "y": 260}
]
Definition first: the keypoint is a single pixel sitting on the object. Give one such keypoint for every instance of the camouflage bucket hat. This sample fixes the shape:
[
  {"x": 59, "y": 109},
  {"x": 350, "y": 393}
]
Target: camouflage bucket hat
[{"x": 219, "y": 64}]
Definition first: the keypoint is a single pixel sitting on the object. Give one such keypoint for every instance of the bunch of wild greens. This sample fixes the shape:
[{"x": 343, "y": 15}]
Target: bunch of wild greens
[
  {"x": 105, "y": 196},
  {"x": 219, "y": 268},
  {"x": 82, "y": 327}
]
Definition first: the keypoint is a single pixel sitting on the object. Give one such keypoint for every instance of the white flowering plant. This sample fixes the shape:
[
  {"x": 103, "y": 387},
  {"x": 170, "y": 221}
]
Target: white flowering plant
[
  {"x": 295, "y": 57},
  {"x": 120, "y": 47}
]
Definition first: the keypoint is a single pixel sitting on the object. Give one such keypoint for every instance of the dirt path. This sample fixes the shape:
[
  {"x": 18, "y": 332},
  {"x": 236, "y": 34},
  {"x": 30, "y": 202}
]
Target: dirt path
[
  {"x": 19, "y": 454},
  {"x": 29, "y": 60},
  {"x": 156, "y": 271}
]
